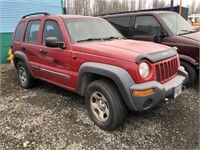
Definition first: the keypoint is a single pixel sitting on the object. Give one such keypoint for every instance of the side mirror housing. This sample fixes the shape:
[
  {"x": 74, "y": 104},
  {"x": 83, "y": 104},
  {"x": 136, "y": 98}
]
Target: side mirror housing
[
  {"x": 53, "y": 42},
  {"x": 158, "y": 37}
]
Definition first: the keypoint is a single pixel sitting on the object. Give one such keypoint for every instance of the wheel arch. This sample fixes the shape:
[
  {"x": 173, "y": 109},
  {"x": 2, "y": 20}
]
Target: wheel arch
[
  {"x": 91, "y": 71},
  {"x": 20, "y": 56},
  {"x": 188, "y": 60}
]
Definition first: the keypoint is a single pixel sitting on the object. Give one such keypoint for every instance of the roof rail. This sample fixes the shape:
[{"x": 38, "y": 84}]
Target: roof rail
[
  {"x": 173, "y": 8},
  {"x": 37, "y": 13},
  {"x": 121, "y": 12}
]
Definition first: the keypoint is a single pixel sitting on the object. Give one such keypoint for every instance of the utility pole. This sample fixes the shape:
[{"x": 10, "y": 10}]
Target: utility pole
[
  {"x": 180, "y": 8},
  {"x": 172, "y": 3},
  {"x": 64, "y": 7}
]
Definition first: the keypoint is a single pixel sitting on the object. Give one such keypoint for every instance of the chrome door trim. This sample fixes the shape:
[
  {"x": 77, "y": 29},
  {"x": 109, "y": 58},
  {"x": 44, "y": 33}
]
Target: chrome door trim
[
  {"x": 52, "y": 72},
  {"x": 36, "y": 67}
]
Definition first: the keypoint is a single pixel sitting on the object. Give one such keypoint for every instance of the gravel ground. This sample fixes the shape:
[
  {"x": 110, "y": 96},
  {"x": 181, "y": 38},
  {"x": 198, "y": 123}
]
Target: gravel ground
[{"x": 48, "y": 117}]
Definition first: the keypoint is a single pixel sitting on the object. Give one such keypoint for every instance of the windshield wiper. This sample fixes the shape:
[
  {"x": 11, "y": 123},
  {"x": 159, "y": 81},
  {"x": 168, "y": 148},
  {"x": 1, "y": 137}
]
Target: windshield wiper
[
  {"x": 188, "y": 31},
  {"x": 90, "y": 39},
  {"x": 112, "y": 37},
  {"x": 100, "y": 39}
]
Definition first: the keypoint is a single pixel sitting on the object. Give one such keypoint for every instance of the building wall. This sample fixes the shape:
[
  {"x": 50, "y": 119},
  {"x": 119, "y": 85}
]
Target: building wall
[
  {"x": 11, "y": 12},
  {"x": 5, "y": 42}
]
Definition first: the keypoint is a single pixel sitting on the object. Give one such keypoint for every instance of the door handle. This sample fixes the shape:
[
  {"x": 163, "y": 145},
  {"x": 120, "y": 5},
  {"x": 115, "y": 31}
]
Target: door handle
[
  {"x": 43, "y": 51},
  {"x": 23, "y": 48},
  {"x": 74, "y": 56}
]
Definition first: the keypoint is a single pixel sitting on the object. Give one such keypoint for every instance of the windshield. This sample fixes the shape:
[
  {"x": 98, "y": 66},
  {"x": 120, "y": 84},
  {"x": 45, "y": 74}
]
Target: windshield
[
  {"x": 176, "y": 24},
  {"x": 90, "y": 29}
]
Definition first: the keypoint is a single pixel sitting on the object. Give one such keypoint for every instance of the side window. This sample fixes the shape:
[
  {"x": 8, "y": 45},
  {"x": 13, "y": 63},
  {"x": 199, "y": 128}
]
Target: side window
[
  {"x": 19, "y": 30},
  {"x": 32, "y": 32},
  {"x": 121, "y": 23},
  {"x": 51, "y": 29},
  {"x": 146, "y": 26}
]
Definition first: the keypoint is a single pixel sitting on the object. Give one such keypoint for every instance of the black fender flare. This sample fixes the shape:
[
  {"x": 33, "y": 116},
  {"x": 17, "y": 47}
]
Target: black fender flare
[
  {"x": 23, "y": 57},
  {"x": 188, "y": 59},
  {"x": 118, "y": 75}
]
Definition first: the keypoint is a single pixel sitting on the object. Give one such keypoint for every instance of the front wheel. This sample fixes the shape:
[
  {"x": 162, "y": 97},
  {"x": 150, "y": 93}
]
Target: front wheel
[
  {"x": 191, "y": 72},
  {"x": 105, "y": 105}
]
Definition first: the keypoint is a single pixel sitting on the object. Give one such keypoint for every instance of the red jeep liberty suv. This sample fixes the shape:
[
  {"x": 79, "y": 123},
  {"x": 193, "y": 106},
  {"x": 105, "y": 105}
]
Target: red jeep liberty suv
[{"x": 87, "y": 55}]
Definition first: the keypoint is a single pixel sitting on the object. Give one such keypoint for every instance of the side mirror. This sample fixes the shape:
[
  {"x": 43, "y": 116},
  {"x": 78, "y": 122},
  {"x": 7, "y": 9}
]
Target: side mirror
[
  {"x": 53, "y": 42},
  {"x": 158, "y": 37}
]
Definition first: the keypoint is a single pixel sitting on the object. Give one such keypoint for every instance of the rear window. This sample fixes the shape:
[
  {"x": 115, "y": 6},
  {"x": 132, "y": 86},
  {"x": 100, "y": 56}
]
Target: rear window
[
  {"x": 121, "y": 23},
  {"x": 19, "y": 30},
  {"x": 32, "y": 32}
]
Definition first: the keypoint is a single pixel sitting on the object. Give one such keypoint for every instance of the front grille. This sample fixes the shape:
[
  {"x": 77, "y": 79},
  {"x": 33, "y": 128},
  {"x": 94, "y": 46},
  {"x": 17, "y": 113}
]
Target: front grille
[{"x": 166, "y": 70}]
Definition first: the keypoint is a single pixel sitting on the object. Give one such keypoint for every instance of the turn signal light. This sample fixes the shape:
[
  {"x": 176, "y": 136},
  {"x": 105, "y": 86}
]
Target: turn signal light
[{"x": 143, "y": 92}]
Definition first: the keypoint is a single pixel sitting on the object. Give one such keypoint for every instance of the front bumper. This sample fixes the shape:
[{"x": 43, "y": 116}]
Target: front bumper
[{"x": 161, "y": 91}]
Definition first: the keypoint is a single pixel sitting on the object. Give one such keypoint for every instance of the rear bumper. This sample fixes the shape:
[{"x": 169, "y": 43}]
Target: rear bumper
[{"x": 161, "y": 91}]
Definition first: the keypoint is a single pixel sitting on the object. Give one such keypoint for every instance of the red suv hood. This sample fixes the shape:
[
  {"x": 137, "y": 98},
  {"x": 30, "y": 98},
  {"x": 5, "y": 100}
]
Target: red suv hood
[{"x": 126, "y": 50}]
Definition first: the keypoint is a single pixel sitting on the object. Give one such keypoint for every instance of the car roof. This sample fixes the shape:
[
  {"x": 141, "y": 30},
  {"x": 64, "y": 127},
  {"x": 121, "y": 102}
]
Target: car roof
[{"x": 134, "y": 13}]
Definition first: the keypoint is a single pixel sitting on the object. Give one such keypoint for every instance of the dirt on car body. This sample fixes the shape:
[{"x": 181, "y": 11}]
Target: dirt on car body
[{"x": 48, "y": 117}]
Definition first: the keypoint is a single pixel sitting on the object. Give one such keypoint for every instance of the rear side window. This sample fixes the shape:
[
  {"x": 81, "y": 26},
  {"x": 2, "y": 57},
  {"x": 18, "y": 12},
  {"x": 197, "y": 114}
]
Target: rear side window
[
  {"x": 121, "y": 23},
  {"x": 32, "y": 32},
  {"x": 146, "y": 26},
  {"x": 19, "y": 30}
]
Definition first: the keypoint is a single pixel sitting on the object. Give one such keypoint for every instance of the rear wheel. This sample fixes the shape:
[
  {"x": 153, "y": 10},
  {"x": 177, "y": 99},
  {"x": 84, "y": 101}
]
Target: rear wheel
[
  {"x": 191, "y": 72},
  {"x": 105, "y": 105},
  {"x": 25, "y": 78}
]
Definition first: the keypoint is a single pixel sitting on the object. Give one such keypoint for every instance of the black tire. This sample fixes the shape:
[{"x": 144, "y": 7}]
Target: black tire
[
  {"x": 25, "y": 78},
  {"x": 191, "y": 72},
  {"x": 102, "y": 97}
]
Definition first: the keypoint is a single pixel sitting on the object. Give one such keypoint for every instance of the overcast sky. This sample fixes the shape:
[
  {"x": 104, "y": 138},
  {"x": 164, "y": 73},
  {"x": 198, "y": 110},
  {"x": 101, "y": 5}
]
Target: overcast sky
[
  {"x": 176, "y": 2},
  {"x": 185, "y": 2}
]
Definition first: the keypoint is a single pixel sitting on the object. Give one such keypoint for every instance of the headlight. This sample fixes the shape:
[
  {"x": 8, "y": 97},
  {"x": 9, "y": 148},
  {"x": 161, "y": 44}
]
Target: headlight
[{"x": 144, "y": 69}]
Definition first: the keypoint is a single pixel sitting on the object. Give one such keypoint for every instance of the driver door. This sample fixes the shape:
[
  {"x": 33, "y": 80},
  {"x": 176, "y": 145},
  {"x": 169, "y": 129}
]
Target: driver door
[{"x": 55, "y": 62}]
